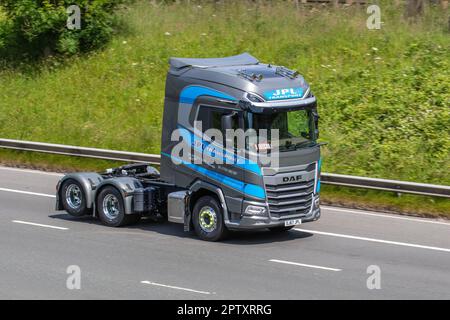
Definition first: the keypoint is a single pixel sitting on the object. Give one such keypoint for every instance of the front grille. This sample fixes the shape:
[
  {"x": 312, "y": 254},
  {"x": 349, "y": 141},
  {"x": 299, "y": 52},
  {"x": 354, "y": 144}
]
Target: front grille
[{"x": 290, "y": 199}]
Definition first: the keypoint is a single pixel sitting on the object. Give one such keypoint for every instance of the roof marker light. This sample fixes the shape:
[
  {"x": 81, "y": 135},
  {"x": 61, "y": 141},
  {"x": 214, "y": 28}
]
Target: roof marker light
[{"x": 250, "y": 75}]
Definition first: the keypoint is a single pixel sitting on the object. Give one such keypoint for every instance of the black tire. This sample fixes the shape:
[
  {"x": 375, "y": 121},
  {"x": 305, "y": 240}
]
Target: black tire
[
  {"x": 114, "y": 216},
  {"x": 280, "y": 229},
  {"x": 212, "y": 207},
  {"x": 73, "y": 198}
]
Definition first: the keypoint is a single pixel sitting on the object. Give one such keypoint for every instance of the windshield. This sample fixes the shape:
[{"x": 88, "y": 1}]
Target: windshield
[{"x": 296, "y": 128}]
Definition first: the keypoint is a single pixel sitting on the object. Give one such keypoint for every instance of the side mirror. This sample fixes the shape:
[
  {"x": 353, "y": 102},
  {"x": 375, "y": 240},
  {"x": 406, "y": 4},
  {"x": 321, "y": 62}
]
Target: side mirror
[
  {"x": 316, "y": 117},
  {"x": 227, "y": 123}
]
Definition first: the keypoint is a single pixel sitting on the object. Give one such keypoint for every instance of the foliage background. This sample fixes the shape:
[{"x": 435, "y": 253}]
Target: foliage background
[{"x": 32, "y": 28}]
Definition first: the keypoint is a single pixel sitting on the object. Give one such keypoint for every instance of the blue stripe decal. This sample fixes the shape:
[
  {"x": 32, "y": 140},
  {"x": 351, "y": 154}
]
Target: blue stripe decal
[
  {"x": 319, "y": 168},
  {"x": 238, "y": 161},
  {"x": 189, "y": 94},
  {"x": 249, "y": 189}
]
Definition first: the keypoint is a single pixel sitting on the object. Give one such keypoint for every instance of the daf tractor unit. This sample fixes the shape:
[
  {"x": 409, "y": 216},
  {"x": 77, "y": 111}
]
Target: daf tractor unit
[{"x": 235, "y": 92}]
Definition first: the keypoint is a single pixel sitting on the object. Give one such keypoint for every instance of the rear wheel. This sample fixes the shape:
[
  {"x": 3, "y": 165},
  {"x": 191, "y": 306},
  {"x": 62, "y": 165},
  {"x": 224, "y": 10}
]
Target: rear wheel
[
  {"x": 111, "y": 209},
  {"x": 208, "y": 221},
  {"x": 280, "y": 229},
  {"x": 73, "y": 198}
]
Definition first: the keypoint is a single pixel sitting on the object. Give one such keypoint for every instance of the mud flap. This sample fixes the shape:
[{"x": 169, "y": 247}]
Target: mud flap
[
  {"x": 187, "y": 213},
  {"x": 178, "y": 208}
]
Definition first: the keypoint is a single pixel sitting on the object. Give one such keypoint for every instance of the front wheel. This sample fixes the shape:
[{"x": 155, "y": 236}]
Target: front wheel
[
  {"x": 111, "y": 209},
  {"x": 208, "y": 219}
]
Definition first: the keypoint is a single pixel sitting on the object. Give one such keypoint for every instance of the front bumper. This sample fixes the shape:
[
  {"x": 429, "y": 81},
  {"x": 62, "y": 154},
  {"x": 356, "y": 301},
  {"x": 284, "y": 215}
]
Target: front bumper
[{"x": 252, "y": 222}]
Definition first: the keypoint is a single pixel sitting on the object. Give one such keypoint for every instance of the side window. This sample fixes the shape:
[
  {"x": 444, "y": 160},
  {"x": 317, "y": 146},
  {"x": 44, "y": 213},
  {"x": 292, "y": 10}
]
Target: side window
[
  {"x": 216, "y": 120},
  {"x": 211, "y": 118},
  {"x": 204, "y": 117}
]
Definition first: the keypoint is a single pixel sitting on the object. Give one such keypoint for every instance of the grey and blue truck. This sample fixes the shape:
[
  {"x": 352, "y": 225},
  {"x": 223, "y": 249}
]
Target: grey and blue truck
[{"x": 237, "y": 92}]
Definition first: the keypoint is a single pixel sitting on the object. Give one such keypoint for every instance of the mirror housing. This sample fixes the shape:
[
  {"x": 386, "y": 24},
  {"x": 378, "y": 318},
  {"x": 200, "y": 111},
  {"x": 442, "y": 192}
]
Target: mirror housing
[
  {"x": 316, "y": 118},
  {"x": 227, "y": 123}
]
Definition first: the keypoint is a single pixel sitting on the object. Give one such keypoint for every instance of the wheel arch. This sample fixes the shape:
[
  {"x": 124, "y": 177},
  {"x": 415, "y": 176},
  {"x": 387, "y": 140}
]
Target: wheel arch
[
  {"x": 88, "y": 182},
  {"x": 201, "y": 188},
  {"x": 126, "y": 187}
]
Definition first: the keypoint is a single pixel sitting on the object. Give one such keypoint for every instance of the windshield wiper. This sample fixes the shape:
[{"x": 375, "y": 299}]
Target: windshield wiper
[
  {"x": 292, "y": 146},
  {"x": 305, "y": 144},
  {"x": 285, "y": 147}
]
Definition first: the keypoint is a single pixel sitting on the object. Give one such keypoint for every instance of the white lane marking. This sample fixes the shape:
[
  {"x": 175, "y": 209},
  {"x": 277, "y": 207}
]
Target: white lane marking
[
  {"x": 391, "y": 216},
  {"x": 28, "y": 192},
  {"x": 39, "y": 225},
  {"x": 31, "y": 171},
  {"x": 304, "y": 265},
  {"x": 173, "y": 287},
  {"x": 405, "y": 244}
]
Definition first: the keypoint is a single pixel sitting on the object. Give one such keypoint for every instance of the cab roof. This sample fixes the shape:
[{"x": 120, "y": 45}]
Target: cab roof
[
  {"x": 239, "y": 60},
  {"x": 243, "y": 73}
]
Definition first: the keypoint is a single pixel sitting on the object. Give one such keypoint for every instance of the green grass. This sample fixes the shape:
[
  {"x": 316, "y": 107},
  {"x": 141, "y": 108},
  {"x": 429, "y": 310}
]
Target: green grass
[
  {"x": 386, "y": 201},
  {"x": 383, "y": 94}
]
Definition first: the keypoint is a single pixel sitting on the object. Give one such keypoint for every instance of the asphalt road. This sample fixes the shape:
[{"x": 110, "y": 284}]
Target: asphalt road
[{"x": 327, "y": 259}]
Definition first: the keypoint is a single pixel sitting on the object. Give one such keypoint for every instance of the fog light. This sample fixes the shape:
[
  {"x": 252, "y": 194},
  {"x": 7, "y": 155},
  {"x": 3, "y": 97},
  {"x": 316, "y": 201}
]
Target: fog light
[
  {"x": 255, "y": 210},
  {"x": 316, "y": 202}
]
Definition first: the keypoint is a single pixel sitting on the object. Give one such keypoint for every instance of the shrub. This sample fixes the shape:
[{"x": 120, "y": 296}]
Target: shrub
[{"x": 39, "y": 27}]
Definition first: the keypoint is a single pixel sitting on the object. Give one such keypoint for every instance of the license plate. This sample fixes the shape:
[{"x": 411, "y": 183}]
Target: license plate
[{"x": 293, "y": 222}]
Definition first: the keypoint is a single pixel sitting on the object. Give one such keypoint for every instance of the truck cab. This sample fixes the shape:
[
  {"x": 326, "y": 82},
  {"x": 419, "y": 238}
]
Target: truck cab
[{"x": 217, "y": 172}]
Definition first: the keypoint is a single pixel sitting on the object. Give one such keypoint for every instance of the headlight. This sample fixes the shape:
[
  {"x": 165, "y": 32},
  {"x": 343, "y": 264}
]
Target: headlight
[
  {"x": 254, "y": 97},
  {"x": 255, "y": 210}
]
